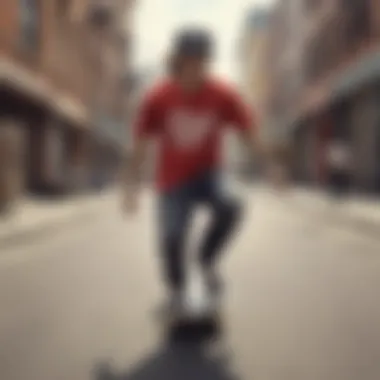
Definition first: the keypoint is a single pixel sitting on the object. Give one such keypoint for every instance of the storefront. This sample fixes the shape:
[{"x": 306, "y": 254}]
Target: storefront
[
  {"x": 311, "y": 131},
  {"x": 108, "y": 147},
  {"x": 346, "y": 109},
  {"x": 359, "y": 86},
  {"x": 45, "y": 120}
]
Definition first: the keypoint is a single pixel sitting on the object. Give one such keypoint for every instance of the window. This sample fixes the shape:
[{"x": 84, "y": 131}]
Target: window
[
  {"x": 30, "y": 23},
  {"x": 324, "y": 51},
  {"x": 100, "y": 16},
  {"x": 62, "y": 7},
  {"x": 314, "y": 59},
  {"x": 312, "y": 5},
  {"x": 358, "y": 21}
]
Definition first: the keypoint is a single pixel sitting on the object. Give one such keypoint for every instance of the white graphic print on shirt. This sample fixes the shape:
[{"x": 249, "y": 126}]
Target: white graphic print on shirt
[{"x": 189, "y": 129}]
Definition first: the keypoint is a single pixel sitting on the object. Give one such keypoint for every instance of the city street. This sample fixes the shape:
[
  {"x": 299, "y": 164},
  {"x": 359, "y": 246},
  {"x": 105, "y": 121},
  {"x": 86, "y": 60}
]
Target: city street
[{"x": 302, "y": 302}]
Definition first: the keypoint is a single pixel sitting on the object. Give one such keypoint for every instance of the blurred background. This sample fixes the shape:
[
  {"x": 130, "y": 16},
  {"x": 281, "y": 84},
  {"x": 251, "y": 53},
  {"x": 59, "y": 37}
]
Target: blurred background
[
  {"x": 66, "y": 84},
  {"x": 72, "y": 74}
]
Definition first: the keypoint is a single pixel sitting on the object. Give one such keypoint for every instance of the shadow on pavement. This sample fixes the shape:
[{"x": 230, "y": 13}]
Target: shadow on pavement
[
  {"x": 187, "y": 362},
  {"x": 178, "y": 360}
]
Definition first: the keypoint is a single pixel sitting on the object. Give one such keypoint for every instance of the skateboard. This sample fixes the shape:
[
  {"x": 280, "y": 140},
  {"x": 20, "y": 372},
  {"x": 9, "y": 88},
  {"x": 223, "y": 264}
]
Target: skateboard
[{"x": 194, "y": 325}]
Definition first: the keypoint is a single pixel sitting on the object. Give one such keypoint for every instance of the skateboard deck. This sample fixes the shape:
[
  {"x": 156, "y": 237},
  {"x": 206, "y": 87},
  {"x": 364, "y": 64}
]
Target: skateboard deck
[
  {"x": 200, "y": 318},
  {"x": 194, "y": 325}
]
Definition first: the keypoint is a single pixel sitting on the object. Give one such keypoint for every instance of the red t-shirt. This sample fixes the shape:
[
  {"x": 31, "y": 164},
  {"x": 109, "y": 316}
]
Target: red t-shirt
[{"x": 189, "y": 128}]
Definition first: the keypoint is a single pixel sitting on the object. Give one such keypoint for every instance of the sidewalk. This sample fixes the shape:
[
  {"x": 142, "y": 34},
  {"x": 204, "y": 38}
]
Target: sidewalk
[
  {"x": 358, "y": 212},
  {"x": 34, "y": 217}
]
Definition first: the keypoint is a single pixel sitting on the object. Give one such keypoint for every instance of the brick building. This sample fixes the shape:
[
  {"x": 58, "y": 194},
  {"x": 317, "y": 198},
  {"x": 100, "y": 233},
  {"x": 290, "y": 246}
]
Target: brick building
[
  {"x": 283, "y": 64},
  {"x": 253, "y": 81},
  {"x": 52, "y": 71},
  {"x": 110, "y": 112},
  {"x": 254, "y": 41},
  {"x": 335, "y": 84}
]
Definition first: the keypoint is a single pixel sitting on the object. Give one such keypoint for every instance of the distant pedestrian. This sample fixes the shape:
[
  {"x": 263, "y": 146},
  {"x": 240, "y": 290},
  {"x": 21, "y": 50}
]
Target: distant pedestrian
[{"x": 339, "y": 166}]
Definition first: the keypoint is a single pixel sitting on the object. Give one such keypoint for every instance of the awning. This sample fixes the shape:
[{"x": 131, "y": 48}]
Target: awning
[
  {"x": 35, "y": 86},
  {"x": 67, "y": 107},
  {"x": 25, "y": 81},
  {"x": 358, "y": 75}
]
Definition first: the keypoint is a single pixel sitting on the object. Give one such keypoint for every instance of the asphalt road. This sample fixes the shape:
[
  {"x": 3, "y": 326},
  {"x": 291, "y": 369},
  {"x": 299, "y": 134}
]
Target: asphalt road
[{"x": 302, "y": 304}]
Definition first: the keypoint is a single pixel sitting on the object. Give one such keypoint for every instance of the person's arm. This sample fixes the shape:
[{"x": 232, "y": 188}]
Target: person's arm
[
  {"x": 243, "y": 121},
  {"x": 145, "y": 127}
]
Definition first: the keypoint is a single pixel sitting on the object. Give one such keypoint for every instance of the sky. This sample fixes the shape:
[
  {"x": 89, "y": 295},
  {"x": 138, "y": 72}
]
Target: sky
[{"x": 157, "y": 20}]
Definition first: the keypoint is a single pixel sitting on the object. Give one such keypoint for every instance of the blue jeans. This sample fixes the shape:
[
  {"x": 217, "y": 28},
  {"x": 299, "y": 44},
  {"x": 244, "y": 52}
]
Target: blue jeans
[{"x": 176, "y": 208}]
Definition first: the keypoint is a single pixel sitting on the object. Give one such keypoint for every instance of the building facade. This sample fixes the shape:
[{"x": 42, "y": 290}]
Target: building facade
[
  {"x": 110, "y": 107},
  {"x": 51, "y": 74},
  {"x": 336, "y": 85},
  {"x": 254, "y": 41},
  {"x": 283, "y": 65},
  {"x": 253, "y": 81}
]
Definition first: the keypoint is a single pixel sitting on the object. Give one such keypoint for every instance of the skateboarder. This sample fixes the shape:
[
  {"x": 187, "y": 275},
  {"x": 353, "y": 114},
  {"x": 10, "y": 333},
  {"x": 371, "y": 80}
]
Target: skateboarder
[{"x": 187, "y": 114}]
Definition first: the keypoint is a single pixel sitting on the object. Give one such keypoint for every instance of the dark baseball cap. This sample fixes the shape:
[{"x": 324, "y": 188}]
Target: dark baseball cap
[{"x": 193, "y": 43}]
